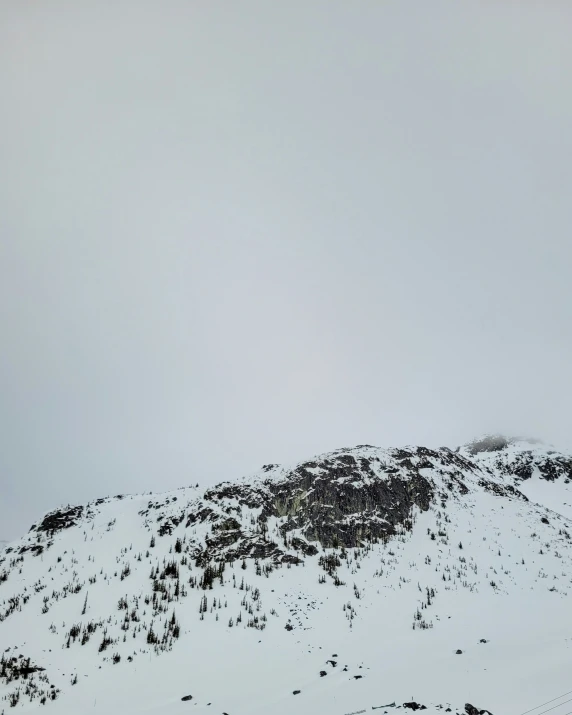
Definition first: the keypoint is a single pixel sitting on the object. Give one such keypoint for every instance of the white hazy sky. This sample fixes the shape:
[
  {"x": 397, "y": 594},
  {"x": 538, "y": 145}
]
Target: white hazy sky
[{"x": 241, "y": 232}]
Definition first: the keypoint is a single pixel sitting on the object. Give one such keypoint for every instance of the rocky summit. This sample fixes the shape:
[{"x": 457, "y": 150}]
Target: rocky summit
[{"x": 422, "y": 578}]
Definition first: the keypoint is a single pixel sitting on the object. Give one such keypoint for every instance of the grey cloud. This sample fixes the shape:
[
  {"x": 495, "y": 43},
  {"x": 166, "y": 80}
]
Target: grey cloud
[{"x": 240, "y": 233}]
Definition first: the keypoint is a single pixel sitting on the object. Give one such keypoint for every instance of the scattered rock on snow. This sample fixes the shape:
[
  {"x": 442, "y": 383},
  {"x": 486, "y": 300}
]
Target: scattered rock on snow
[{"x": 472, "y": 710}]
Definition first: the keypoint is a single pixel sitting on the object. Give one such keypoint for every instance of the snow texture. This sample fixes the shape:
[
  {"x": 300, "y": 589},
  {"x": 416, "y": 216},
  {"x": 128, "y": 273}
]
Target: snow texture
[{"x": 362, "y": 579}]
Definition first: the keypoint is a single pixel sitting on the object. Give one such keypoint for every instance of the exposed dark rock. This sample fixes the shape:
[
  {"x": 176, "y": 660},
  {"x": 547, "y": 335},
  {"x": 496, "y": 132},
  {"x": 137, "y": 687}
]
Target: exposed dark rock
[
  {"x": 229, "y": 524},
  {"x": 290, "y": 559},
  {"x": 472, "y": 710},
  {"x": 245, "y": 494},
  {"x": 201, "y": 516},
  {"x": 554, "y": 468},
  {"x": 523, "y": 471},
  {"x": 61, "y": 519},
  {"x": 254, "y": 548},
  {"x": 346, "y": 503},
  {"x": 187, "y": 698},
  {"x": 502, "y": 490},
  {"x": 223, "y": 540},
  {"x": 414, "y": 706},
  {"x": 346, "y": 499},
  {"x": 303, "y": 546},
  {"x": 169, "y": 524}
]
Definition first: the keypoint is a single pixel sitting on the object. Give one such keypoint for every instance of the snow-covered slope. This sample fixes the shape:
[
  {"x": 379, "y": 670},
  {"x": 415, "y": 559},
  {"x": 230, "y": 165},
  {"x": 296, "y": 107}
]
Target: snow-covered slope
[
  {"x": 539, "y": 471},
  {"x": 361, "y": 578}
]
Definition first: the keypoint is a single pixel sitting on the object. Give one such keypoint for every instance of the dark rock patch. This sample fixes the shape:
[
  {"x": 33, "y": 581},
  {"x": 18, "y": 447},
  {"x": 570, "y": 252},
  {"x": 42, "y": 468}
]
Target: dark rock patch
[
  {"x": 61, "y": 519},
  {"x": 303, "y": 546},
  {"x": 472, "y": 710}
]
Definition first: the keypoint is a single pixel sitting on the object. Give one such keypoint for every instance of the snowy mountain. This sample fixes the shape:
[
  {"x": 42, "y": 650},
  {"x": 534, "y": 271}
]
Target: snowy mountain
[{"x": 364, "y": 578}]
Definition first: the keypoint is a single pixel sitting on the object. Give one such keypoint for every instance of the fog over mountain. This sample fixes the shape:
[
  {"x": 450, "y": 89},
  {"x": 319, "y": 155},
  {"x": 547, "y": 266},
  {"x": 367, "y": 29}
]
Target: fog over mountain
[{"x": 235, "y": 235}]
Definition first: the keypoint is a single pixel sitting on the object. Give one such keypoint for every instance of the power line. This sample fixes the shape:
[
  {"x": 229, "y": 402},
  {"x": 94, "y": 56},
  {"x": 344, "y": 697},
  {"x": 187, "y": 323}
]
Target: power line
[
  {"x": 555, "y": 706},
  {"x": 548, "y": 703}
]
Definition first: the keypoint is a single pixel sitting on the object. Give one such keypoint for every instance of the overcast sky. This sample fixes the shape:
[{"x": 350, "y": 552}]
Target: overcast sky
[{"x": 234, "y": 233}]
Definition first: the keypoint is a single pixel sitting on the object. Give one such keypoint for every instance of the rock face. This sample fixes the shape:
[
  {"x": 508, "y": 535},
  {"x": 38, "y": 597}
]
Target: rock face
[
  {"x": 61, "y": 519},
  {"x": 344, "y": 499}
]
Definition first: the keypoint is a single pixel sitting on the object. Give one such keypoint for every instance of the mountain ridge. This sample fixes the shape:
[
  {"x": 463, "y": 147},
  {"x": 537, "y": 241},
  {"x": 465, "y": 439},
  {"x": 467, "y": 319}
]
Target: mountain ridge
[{"x": 308, "y": 552}]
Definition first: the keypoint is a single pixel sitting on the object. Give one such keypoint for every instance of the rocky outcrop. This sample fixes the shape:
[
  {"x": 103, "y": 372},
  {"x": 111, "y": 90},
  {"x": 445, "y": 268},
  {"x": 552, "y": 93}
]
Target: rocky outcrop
[
  {"x": 344, "y": 499},
  {"x": 343, "y": 502},
  {"x": 472, "y": 710},
  {"x": 61, "y": 519},
  {"x": 352, "y": 497}
]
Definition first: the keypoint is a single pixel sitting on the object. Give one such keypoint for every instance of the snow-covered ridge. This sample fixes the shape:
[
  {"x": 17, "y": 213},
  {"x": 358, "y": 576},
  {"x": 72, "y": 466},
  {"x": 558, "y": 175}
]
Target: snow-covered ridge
[{"x": 282, "y": 565}]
